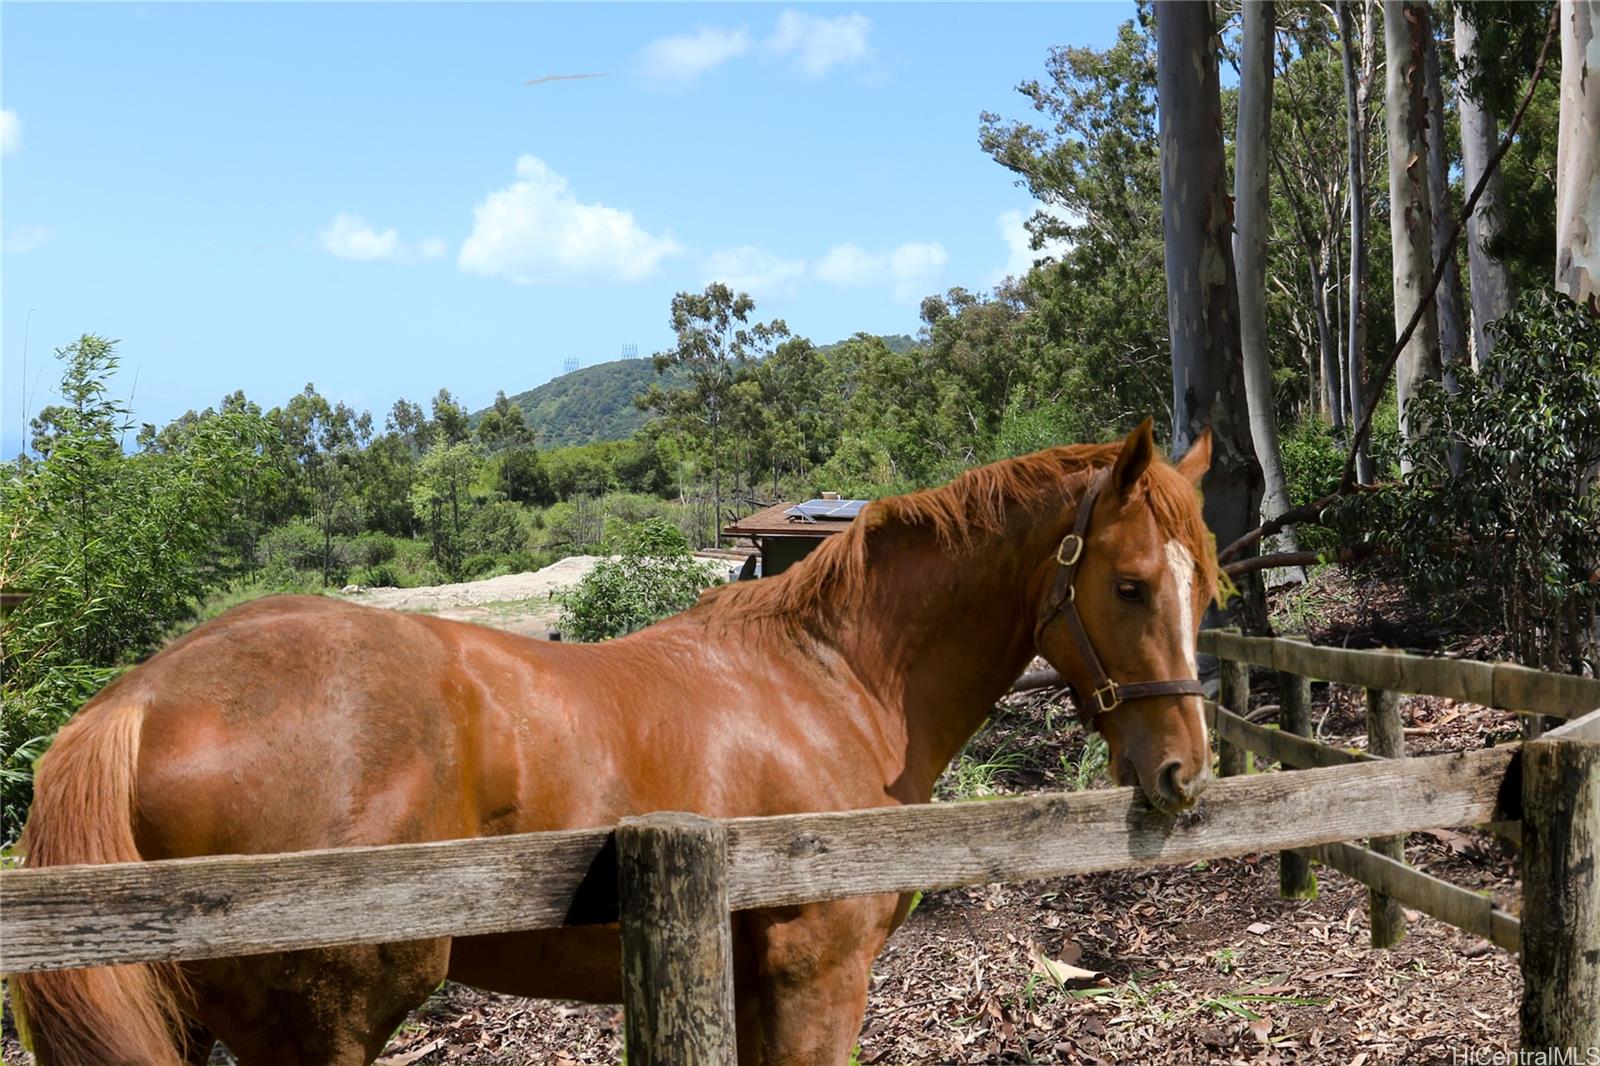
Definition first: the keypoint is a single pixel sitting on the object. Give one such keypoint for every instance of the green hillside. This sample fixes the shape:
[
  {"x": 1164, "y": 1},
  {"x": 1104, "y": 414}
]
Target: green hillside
[
  {"x": 589, "y": 404},
  {"x": 596, "y": 402}
]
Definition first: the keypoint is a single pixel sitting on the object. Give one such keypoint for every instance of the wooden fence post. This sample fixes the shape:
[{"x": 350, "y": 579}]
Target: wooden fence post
[
  {"x": 677, "y": 944},
  {"x": 1561, "y": 897},
  {"x": 1386, "y": 738},
  {"x": 1295, "y": 879},
  {"x": 1233, "y": 693}
]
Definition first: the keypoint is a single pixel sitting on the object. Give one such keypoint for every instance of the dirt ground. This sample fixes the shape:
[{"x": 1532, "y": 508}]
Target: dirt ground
[
  {"x": 523, "y": 603},
  {"x": 1198, "y": 964}
]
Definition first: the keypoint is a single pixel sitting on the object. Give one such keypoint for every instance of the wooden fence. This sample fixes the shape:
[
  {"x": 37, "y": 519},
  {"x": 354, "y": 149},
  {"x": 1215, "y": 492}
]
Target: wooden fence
[{"x": 671, "y": 879}]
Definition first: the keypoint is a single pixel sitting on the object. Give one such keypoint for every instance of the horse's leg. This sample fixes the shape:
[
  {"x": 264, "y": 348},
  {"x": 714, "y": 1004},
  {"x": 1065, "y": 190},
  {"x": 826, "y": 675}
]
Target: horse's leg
[
  {"x": 814, "y": 963},
  {"x": 327, "y": 1007}
]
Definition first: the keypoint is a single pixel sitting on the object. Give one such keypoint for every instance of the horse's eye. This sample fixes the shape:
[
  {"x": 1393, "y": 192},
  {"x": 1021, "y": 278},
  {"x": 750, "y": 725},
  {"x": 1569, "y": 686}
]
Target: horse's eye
[{"x": 1132, "y": 591}]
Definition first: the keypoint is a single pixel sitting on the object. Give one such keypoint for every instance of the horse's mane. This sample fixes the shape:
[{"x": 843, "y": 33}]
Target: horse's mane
[{"x": 959, "y": 514}]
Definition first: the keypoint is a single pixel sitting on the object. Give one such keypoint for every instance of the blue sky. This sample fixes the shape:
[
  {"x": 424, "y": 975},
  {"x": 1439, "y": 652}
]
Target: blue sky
[{"x": 372, "y": 198}]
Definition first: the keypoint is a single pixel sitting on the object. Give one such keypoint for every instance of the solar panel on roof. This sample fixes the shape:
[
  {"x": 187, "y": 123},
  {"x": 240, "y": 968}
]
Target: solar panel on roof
[{"x": 827, "y": 510}]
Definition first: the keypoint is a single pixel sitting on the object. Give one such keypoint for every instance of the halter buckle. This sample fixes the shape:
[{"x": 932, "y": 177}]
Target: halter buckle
[
  {"x": 1106, "y": 697},
  {"x": 1077, "y": 549}
]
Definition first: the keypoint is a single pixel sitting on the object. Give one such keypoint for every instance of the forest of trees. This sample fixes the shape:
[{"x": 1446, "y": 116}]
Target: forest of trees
[{"x": 1257, "y": 287}]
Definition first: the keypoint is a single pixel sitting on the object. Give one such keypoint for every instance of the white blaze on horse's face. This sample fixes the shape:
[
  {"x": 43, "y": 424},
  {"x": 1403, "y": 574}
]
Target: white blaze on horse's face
[{"x": 1180, "y": 564}]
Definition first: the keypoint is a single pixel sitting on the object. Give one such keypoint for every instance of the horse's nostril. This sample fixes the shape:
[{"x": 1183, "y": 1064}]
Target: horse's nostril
[{"x": 1173, "y": 786}]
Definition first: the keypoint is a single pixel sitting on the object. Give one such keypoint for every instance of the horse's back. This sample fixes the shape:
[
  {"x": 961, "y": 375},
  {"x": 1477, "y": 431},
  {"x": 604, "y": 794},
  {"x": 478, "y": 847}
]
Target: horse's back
[{"x": 297, "y": 722}]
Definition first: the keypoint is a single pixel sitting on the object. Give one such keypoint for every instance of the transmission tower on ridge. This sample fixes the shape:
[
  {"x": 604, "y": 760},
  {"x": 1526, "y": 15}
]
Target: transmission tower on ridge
[
  {"x": 569, "y": 364},
  {"x": 630, "y": 351}
]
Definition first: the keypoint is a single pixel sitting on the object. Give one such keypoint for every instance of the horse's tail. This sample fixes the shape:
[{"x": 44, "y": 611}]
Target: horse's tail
[{"x": 83, "y": 813}]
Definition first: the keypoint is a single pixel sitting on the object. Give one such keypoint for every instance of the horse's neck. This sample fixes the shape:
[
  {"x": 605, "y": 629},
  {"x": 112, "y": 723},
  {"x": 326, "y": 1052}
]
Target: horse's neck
[{"x": 938, "y": 636}]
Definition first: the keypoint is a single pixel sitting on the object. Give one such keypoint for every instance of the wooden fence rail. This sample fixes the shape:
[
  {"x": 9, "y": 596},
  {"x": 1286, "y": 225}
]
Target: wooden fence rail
[
  {"x": 65, "y": 916},
  {"x": 672, "y": 875},
  {"x": 1502, "y": 685},
  {"x": 1560, "y": 793}
]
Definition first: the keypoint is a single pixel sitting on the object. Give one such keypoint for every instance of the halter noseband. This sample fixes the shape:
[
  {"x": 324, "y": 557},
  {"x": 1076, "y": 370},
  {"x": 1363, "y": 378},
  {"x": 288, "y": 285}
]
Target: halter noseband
[{"x": 1062, "y": 603}]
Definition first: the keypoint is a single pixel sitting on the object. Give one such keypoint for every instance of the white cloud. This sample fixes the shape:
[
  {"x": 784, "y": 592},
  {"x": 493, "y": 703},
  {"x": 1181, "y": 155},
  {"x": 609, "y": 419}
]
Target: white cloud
[
  {"x": 535, "y": 231},
  {"x": 912, "y": 269},
  {"x": 750, "y": 269},
  {"x": 686, "y": 56},
  {"x": 349, "y": 237},
  {"x": 24, "y": 239},
  {"x": 819, "y": 44},
  {"x": 1014, "y": 231},
  {"x": 10, "y": 132}
]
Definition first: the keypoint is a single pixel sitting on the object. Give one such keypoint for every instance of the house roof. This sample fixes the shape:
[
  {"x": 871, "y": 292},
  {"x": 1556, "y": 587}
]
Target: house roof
[{"x": 775, "y": 521}]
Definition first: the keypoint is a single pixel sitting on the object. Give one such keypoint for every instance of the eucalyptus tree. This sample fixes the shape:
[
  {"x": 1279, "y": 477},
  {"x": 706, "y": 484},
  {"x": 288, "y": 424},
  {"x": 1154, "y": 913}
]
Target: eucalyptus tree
[
  {"x": 1202, "y": 289},
  {"x": 1480, "y": 136},
  {"x": 716, "y": 346},
  {"x": 1578, "y": 156},
  {"x": 1358, "y": 76},
  {"x": 1405, "y": 28},
  {"x": 1252, "y": 210},
  {"x": 1092, "y": 161},
  {"x": 1450, "y": 301},
  {"x": 326, "y": 440}
]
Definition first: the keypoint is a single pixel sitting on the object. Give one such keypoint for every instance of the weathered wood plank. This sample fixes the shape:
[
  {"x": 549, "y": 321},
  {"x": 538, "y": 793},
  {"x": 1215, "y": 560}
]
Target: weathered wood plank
[
  {"x": 1586, "y": 728},
  {"x": 208, "y": 908},
  {"x": 1295, "y": 877},
  {"x": 1286, "y": 748},
  {"x": 247, "y": 904},
  {"x": 796, "y": 858},
  {"x": 1503, "y": 685},
  {"x": 1522, "y": 688},
  {"x": 1560, "y": 896},
  {"x": 1233, "y": 691},
  {"x": 677, "y": 944},
  {"x": 1386, "y": 739},
  {"x": 1449, "y": 903}
]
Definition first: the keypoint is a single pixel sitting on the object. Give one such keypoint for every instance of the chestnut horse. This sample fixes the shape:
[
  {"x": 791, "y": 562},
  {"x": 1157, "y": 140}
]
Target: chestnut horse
[{"x": 851, "y": 681}]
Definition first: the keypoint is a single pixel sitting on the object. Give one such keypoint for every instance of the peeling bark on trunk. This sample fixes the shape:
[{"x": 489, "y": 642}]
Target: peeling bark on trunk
[
  {"x": 1251, "y": 204},
  {"x": 1451, "y": 301},
  {"x": 1405, "y": 27},
  {"x": 1202, "y": 289},
  {"x": 1480, "y": 136},
  {"x": 1578, "y": 155},
  {"x": 1356, "y": 143}
]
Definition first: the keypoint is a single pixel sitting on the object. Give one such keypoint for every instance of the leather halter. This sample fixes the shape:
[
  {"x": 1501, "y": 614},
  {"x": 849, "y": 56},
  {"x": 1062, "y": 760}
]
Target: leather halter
[{"x": 1062, "y": 604}]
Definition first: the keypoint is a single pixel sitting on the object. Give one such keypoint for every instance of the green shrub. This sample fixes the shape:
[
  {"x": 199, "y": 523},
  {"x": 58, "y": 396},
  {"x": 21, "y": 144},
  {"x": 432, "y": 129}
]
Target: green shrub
[
  {"x": 498, "y": 528},
  {"x": 1502, "y": 502},
  {"x": 296, "y": 548},
  {"x": 371, "y": 549},
  {"x": 653, "y": 576},
  {"x": 1313, "y": 460},
  {"x": 115, "y": 549}
]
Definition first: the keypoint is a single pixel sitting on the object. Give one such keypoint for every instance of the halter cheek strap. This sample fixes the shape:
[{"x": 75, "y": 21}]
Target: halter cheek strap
[{"x": 1062, "y": 604}]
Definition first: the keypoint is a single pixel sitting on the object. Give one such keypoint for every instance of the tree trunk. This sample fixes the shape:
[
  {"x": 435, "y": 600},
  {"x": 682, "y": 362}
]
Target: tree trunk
[
  {"x": 1355, "y": 99},
  {"x": 1480, "y": 136},
  {"x": 1254, "y": 222},
  {"x": 1451, "y": 301},
  {"x": 1341, "y": 398},
  {"x": 1578, "y": 156},
  {"x": 1202, "y": 289},
  {"x": 1327, "y": 347},
  {"x": 1405, "y": 28}
]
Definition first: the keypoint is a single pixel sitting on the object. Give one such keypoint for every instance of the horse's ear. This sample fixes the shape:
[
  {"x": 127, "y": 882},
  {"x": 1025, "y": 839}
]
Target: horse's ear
[
  {"x": 1134, "y": 458},
  {"x": 1197, "y": 461}
]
